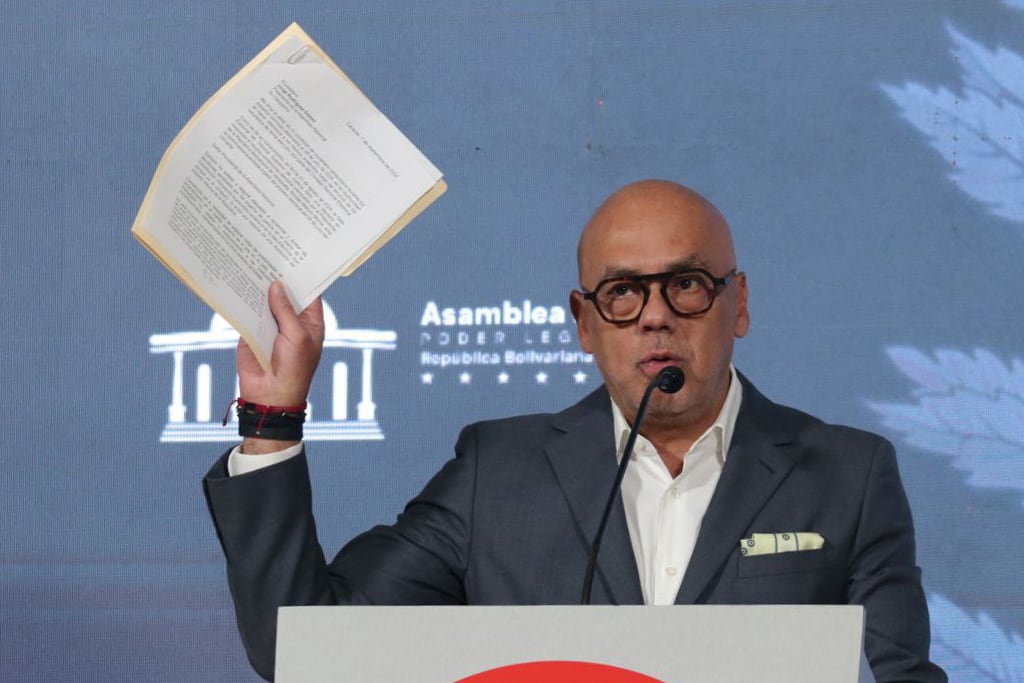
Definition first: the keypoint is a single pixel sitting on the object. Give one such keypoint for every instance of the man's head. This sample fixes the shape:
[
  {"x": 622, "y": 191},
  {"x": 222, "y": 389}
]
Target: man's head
[{"x": 656, "y": 226}]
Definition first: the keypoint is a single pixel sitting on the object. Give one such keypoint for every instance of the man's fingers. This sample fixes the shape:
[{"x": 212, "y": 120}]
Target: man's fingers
[
  {"x": 288, "y": 322},
  {"x": 313, "y": 319}
]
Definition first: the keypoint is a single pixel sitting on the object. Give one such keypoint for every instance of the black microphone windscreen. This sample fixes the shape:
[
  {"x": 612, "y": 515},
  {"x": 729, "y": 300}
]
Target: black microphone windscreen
[{"x": 671, "y": 379}]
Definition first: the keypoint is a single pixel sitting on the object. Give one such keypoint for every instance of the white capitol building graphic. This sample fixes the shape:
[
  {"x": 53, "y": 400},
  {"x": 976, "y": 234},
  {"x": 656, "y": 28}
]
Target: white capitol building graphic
[{"x": 198, "y": 423}]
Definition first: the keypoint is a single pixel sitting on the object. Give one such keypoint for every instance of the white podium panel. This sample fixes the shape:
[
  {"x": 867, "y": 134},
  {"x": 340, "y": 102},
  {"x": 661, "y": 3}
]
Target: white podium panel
[{"x": 677, "y": 644}]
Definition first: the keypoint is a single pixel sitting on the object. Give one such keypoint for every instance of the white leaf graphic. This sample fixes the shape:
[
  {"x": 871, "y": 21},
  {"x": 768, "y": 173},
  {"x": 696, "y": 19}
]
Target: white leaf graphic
[
  {"x": 981, "y": 131},
  {"x": 973, "y": 649},
  {"x": 968, "y": 407}
]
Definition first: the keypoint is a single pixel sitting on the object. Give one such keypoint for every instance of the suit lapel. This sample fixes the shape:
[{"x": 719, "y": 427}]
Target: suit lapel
[
  {"x": 756, "y": 464},
  {"x": 582, "y": 456}
]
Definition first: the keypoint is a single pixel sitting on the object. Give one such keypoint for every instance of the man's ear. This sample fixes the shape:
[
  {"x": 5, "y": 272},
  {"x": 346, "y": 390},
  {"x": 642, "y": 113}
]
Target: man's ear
[
  {"x": 742, "y": 313},
  {"x": 576, "y": 305}
]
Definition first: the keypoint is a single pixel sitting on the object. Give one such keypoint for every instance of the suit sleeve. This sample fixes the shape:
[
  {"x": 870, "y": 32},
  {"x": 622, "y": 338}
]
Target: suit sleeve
[
  {"x": 264, "y": 521},
  {"x": 885, "y": 579}
]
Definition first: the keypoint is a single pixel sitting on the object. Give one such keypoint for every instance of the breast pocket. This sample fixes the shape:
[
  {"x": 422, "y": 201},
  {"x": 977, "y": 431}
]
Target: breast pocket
[{"x": 792, "y": 562}]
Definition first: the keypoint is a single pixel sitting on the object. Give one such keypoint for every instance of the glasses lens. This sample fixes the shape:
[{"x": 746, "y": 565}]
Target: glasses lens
[
  {"x": 620, "y": 299},
  {"x": 689, "y": 292}
]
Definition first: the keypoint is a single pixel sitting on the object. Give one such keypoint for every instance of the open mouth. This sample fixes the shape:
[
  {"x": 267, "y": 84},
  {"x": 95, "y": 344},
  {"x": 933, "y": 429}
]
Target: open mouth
[{"x": 653, "y": 363}]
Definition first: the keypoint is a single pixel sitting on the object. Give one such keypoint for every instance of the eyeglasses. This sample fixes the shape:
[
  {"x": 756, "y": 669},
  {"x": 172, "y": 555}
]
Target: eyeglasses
[{"x": 688, "y": 293}]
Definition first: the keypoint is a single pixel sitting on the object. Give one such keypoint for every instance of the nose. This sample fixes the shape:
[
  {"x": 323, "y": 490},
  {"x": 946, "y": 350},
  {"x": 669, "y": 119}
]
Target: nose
[{"x": 656, "y": 314}]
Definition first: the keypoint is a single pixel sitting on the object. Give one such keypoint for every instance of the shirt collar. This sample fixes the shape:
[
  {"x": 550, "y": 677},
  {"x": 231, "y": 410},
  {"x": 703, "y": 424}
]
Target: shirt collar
[{"x": 721, "y": 429}]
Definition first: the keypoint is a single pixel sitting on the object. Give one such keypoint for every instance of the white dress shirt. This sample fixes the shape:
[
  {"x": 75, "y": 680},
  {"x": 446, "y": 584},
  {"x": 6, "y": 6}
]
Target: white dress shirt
[
  {"x": 663, "y": 514},
  {"x": 239, "y": 463}
]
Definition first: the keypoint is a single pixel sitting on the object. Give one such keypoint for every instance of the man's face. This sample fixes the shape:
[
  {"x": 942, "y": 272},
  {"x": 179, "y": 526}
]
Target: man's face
[{"x": 657, "y": 231}]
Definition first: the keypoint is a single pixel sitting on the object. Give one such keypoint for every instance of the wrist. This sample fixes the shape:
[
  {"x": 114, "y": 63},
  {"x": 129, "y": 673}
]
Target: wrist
[{"x": 281, "y": 424}]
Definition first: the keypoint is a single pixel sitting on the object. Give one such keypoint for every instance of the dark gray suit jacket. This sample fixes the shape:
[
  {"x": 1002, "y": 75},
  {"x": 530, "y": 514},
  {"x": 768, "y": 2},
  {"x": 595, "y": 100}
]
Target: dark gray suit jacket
[{"x": 510, "y": 518}]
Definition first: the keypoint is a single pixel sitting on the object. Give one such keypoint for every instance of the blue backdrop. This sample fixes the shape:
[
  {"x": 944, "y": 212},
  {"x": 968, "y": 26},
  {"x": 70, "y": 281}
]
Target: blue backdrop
[{"x": 869, "y": 155}]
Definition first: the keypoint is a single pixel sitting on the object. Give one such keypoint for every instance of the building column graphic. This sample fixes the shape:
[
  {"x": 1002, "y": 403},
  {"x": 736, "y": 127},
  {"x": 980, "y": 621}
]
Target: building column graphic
[
  {"x": 176, "y": 410},
  {"x": 203, "y": 391},
  {"x": 233, "y": 414},
  {"x": 339, "y": 391},
  {"x": 367, "y": 409}
]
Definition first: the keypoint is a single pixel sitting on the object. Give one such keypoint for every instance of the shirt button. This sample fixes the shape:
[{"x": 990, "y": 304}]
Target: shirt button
[
  {"x": 671, "y": 571},
  {"x": 676, "y": 492}
]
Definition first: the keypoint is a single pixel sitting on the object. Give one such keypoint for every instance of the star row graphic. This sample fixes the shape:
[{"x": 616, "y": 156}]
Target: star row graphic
[{"x": 466, "y": 377}]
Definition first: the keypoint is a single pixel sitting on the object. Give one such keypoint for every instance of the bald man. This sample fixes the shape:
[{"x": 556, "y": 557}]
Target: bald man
[{"x": 510, "y": 519}]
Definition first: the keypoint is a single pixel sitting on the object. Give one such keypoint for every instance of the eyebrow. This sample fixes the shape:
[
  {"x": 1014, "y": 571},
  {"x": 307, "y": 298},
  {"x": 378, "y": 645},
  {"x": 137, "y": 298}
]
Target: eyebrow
[{"x": 675, "y": 267}]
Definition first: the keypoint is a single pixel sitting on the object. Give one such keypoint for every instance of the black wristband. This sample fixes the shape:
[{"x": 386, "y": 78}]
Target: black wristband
[
  {"x": 277, "y": 429},
  {"x": 267, "y": 422}
]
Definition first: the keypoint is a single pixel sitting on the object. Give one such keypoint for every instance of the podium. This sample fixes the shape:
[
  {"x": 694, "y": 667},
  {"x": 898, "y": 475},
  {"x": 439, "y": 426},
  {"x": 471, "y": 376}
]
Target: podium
[{"x": 671, "y": 644}]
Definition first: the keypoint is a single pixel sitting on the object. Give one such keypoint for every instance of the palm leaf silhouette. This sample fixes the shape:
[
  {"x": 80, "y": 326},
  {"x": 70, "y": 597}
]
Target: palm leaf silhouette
[
  {"x": 992, "y": 656},
  {"x": 968, "y": 407},
  {"x": 980, "y": 132}
]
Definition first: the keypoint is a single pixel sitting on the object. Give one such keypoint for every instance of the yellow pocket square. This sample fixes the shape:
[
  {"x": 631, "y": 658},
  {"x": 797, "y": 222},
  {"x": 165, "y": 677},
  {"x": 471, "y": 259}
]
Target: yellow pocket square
[{"x": 782, "y": 542}]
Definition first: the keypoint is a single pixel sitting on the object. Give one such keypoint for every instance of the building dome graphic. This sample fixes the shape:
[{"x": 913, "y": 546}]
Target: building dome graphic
[{"x": 194, "y": 354}]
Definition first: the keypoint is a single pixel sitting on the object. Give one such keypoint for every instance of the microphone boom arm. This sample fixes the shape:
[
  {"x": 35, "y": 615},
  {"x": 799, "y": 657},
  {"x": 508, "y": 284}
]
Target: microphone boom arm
[{"x": 669, "y": 380}]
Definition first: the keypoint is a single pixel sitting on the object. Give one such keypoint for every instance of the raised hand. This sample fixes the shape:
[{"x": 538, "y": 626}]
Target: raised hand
[{"x": 294, "y": 360}]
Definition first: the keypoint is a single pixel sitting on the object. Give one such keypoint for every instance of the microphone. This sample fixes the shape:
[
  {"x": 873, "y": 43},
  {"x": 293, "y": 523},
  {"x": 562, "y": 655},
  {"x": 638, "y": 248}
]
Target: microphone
[{"x": 669, "y": 380}]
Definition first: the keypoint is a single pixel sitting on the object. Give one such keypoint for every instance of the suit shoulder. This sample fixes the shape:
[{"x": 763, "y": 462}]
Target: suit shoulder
[
  {"x": 515, "y": 426},
  {"x": 786, "y": 424},
  {"x": 595, "y": 407},
  {"x": 811, "y": 427}
]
